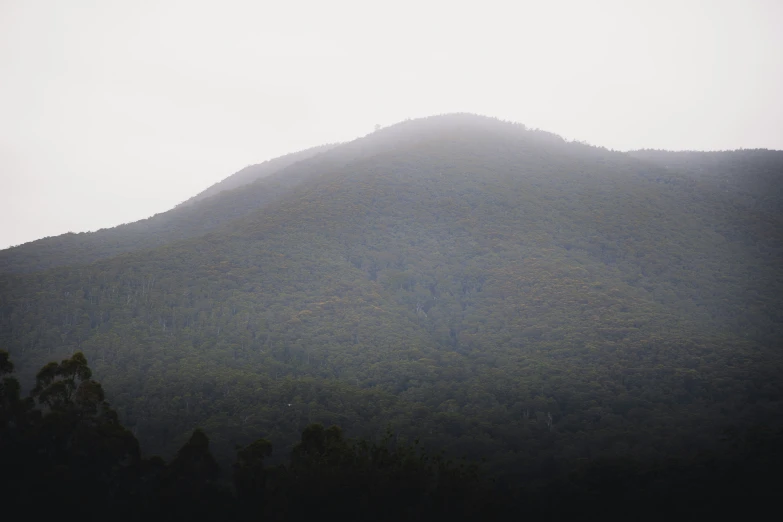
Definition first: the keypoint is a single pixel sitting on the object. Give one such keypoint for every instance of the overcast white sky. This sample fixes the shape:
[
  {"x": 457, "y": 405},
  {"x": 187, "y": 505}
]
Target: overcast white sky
[{"x": 111, "y": 111}]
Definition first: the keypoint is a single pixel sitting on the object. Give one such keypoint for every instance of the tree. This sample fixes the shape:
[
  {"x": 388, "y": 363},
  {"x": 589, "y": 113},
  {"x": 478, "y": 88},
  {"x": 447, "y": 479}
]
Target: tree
[
  {"x": 74, "y": 444},
  {"x": 55, "y": 383},
  {"x": 189, "y": 486},
  {"x": 250, "y": 476}
]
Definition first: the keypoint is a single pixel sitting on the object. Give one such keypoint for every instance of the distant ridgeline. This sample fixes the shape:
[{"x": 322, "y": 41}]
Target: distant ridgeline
[{"x": 491, "y": 290}]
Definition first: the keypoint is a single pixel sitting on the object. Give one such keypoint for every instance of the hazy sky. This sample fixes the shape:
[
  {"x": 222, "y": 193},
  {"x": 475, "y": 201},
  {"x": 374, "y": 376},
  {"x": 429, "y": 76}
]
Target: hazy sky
[{"x": 111, "y": 111}]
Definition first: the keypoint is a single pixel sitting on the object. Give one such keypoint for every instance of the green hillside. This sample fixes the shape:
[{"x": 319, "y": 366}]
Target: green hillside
[{"x": 494, "y": 290}]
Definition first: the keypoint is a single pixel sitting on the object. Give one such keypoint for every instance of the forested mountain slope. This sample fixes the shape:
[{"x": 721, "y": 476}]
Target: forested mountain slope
[{"x": 496, "y": 291}]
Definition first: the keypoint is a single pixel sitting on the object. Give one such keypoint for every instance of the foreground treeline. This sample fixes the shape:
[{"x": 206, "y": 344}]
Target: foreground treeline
[{"x": 64, "y": 452}]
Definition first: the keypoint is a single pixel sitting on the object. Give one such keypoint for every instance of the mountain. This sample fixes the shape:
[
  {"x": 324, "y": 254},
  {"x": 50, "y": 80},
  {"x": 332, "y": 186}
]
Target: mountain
[{"x": 493, "y": 290}]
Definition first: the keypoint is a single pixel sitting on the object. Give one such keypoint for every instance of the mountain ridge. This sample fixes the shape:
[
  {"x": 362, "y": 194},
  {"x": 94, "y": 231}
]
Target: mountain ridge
[
  {"x": 258, "y": 171},
  {"x": 27, "y": 257}
]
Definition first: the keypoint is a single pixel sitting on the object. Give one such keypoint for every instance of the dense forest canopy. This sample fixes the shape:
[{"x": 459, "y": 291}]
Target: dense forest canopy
[{"x": 491, "y": 290}]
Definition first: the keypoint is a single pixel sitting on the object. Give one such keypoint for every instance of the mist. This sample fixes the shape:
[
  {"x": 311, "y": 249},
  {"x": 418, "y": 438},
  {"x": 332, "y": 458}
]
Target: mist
[{"x": 115, "y": 111}]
